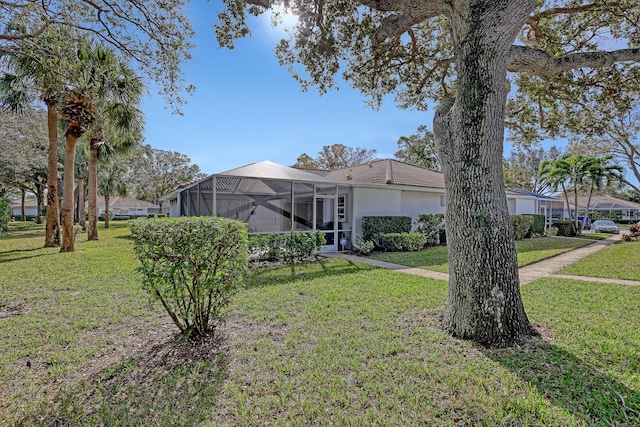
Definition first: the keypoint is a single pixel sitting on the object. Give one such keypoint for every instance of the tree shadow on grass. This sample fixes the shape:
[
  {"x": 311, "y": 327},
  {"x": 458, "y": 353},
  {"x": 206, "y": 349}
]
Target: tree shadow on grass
[
  {"x": 10, "y": 256},
  {"x": 572, "y": 384},
  {"x": 261, "y": 277},
  {"x": 173, "y": 383}
]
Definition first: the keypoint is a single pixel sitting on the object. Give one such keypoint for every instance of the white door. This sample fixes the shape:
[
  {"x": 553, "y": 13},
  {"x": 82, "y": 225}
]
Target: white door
[{"x": 326, "y": 215}]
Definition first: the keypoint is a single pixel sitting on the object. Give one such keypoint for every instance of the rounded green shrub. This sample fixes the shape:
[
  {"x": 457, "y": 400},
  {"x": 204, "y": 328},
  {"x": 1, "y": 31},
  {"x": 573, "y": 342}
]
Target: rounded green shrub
[{"x": 192, "y": 265}]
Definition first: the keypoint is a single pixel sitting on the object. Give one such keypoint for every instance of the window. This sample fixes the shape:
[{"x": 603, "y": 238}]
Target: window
[
  {"x": 341, "y": 209},
  {"x": 443, "y": 200}
]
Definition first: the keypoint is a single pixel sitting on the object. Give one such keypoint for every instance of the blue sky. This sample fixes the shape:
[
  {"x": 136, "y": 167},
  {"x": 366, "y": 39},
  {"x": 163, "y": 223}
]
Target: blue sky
[{"x": 247, "y": 108}]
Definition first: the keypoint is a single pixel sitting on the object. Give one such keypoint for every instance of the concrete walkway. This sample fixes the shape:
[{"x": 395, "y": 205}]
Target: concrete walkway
[{"x": 546, "y": 268}]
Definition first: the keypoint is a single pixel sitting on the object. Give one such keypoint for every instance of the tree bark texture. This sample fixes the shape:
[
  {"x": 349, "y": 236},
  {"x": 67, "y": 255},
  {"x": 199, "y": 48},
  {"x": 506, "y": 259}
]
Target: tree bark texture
[
  {"x": 73, "y": 133},
  {"x": 92, "y": 232},
  {"x": 23, "y": 195},
  {"x": 484, "y": 302},
  {"x": 52, "y": 234},
  {"x": 106, "y": 211},
  {"x": 81, "y": 215},
  {"x": 39, "y": 200}
]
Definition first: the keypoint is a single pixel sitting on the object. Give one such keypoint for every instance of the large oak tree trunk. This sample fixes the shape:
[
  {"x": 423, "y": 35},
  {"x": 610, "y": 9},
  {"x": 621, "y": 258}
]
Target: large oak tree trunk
[
  {"x": 484, "y": 302},
  {"x": 52, "y": 235},
  {"x": 73, "y": 133},
  {"x": 92, "y": 233}
]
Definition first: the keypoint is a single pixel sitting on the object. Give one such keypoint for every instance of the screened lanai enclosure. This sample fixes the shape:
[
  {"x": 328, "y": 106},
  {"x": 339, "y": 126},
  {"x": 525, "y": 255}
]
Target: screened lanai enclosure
[{"x": 272, "y": 198}]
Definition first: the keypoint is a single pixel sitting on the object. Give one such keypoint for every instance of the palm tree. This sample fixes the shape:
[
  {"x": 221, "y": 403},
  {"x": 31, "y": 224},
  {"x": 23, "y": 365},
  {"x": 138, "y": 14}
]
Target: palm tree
[
  {"x": 99, "y": 79},
  {"x": 24, "y": 76},
  {"x": 568, "y": 172},
  {"x": 601, "y": 173},
  {"x": 117, "y": 129},
  {"x": 112, "y": 181}
]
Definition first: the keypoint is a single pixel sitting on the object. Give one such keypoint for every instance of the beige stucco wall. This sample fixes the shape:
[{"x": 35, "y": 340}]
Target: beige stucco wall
[{"x": 393, "y": 201}]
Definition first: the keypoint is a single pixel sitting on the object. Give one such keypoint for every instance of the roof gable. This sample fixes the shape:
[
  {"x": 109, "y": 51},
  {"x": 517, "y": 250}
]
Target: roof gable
[{"x": 270, "y": 170}]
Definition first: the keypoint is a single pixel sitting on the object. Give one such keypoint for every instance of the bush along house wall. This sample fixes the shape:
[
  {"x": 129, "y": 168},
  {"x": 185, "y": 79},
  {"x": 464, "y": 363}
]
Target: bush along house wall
[{"x": 373, "y": 225}]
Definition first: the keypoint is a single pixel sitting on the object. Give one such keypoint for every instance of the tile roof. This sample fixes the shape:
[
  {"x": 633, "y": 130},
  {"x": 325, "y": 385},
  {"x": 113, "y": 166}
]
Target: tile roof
[
  {"x": 530, "y": 193},
  {"x": 605, "y": 202},
  {"x": 391, "y": 172},
  {"x": 29, "y": 202}
]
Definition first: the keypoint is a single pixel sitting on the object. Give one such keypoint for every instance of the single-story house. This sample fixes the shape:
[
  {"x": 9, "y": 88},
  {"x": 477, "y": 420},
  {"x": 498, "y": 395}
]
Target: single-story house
[
  {"x": 274, "y": 198},
  {"x": 552, "y": 208},
  {"x": 120, "y": 206},
  {"x": 607, "y": 205},
  {"x": 123, "y": 206},
  {"x": 30, "y": 207}
]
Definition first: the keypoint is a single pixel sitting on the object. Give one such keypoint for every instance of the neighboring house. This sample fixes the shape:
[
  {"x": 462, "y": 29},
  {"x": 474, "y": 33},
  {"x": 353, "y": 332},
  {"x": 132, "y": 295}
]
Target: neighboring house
[
  {"x": 607, "y": 205},
  {"x": 30, "y": 208},
  {"x": 524, "y": 201},
  {"x": 273, "y": 198},
  {"x": 122, "y": 206}
]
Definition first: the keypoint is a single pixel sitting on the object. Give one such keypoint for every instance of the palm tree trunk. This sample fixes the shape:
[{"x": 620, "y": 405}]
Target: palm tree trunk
[
  {"x": 39, "y": 200},
  {"x": 92, "y": 234},
  {"x": 586, "y": 209},
  {"x": 106, "y": 211},
  {"x": 52, "y": 235},
  {"x": 81, "y": 215},
  {"x": 68, "y": 199},
  {"x": 566, "y": 199},
  {"x": 576, "y": 221}
]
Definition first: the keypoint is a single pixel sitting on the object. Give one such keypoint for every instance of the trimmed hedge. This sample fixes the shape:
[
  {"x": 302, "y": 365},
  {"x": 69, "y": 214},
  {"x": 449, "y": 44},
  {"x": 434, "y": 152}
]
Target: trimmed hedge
[
  {"x": 521, "y": 225},
  {"x": 538, "y": 224},
  {"x": 373, "y": 225},
  {"x": 5, "y": 214},
  {"x": 193, "y": 265},
  {"x": 565, "y": 228},
  {"x": 401, "y": 241},
  {"x": 292, "y": 246}
]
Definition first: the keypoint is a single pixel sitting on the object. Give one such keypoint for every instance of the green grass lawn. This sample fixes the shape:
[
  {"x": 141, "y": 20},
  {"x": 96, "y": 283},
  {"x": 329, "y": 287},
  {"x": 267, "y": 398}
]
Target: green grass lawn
[
  {"x": 618, "y": 261},
  {"x": 594, "y": 236},
  {"x": 331, "y": 343},
  {"x": 529, "y": 251}
]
